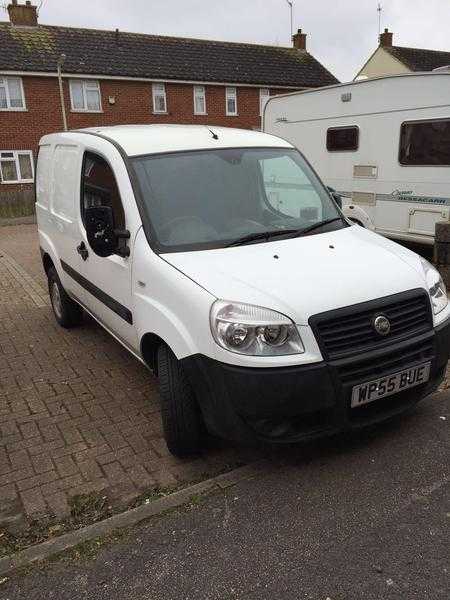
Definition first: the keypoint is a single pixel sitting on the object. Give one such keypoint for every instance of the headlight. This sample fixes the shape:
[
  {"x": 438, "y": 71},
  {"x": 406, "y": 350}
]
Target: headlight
[
  {"x": 253, "y": 330},
  {"x": 436, "y": 287}
]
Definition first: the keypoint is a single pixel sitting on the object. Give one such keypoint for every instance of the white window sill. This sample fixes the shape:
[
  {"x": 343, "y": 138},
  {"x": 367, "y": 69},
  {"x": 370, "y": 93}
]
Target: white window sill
[
  {"x": 13, "y": 110},
  {"x": 232, "y": 115},
  {"x": 16, "y": 182},
  {"x": 160, "y": 112},
  {"x": 79, "y": 110}
]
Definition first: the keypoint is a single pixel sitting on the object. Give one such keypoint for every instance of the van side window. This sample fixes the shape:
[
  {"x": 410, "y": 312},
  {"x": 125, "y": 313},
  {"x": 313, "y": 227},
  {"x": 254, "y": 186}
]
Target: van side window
[
  {"x": 342, "y": 139},
  {"x": 99, "y": 188},
  {"x": 425, "y": 143}
]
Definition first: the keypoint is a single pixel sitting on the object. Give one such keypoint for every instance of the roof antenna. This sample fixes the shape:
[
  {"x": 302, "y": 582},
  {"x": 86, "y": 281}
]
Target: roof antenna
[
  {"x": 214, "y": 135},
  {"x": 379, "y": 9}
]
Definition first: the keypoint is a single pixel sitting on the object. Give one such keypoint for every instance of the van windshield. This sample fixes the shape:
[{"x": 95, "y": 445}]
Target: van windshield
[{"x": 216, "y": 198}]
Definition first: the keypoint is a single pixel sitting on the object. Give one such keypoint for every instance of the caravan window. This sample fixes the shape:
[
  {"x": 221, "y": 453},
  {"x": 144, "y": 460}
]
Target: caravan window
[
  {"x": 342, "y": 139},
  {"x": 425, "y": 143}
]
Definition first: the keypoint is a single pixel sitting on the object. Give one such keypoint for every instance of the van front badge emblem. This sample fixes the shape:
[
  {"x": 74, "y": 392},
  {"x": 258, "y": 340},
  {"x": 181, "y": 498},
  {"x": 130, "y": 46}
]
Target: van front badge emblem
[{"x": 382, "y": 325}]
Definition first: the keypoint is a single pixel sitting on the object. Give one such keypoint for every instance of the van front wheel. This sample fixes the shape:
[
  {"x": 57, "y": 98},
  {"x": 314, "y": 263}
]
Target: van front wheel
[
  {"x": 66, "y": 311},
  {"x": 181, "y": 417}
]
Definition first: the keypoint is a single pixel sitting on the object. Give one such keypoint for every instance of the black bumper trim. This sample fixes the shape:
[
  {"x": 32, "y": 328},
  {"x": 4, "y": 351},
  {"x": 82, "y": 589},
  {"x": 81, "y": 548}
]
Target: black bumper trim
[{"x": 288, "y": 404}]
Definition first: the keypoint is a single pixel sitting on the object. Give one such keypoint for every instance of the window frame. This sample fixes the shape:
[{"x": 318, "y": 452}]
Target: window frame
[
  {"x": 154, "y": 95},
  {"x": 203, "y": 95},
  {"x": 150, "y": 232},
  {"x": 227, "y": 96},
  {"x": 98, "y": 155},
  {"x": 15, "y": 159},
  {"x": 355, "y": 127},
  {"x": 10, "y": 108},
  {"x": 83, "y": 83},
  {"x": 261, "y": 96},
  {"x": 412, "y": 122}
]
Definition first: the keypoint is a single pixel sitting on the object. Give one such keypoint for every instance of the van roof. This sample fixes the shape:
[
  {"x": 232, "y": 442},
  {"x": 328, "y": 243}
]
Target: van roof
[{"x": 137, "y": 140}]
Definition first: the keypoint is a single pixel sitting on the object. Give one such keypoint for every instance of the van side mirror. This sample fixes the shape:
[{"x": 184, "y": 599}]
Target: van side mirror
[
  {"x": 336, "y": 197},
  {"x": 99, "y": 222}
]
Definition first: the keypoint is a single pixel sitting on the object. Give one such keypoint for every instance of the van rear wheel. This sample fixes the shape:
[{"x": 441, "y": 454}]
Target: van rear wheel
[
  {"x": 181, "y": 417},
  {"x": 66, "y": 311}
]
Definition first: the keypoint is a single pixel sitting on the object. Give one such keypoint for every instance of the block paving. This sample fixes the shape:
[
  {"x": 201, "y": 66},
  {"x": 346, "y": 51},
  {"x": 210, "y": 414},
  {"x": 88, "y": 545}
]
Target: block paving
[{"x": 78, "y": 413}]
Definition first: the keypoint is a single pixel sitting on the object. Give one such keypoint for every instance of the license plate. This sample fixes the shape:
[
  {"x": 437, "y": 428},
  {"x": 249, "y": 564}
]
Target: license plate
[{"x": 389, "y": 385}]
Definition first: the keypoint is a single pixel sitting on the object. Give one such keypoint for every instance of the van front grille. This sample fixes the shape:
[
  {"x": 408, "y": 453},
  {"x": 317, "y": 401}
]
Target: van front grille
[
  {"x": 385, "y": 363},
  {"x": 347, "y": 331}
]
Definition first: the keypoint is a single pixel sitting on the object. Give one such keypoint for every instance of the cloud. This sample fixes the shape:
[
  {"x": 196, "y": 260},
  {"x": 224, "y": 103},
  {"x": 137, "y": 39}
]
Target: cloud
[{"x": 341, "y": 33}]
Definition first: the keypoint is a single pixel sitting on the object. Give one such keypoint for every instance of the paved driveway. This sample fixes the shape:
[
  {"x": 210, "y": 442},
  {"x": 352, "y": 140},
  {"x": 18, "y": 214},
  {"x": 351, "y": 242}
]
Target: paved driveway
[{"x": 77, "y": 413}]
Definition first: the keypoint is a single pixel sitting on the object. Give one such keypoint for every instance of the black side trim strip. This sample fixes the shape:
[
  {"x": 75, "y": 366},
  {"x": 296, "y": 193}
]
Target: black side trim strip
[{"x": 112, "y": 304}]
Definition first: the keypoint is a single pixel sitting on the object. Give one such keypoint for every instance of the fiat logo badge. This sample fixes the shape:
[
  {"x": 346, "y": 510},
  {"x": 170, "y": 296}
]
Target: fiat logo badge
[{"x": 382, "y": 325}]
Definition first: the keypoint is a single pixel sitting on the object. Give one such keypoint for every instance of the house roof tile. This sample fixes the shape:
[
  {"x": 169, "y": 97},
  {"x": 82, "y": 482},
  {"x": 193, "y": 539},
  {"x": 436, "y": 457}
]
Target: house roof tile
[
  {"x": 420, "y": 59},
  {"x": 100, "y": 52}
]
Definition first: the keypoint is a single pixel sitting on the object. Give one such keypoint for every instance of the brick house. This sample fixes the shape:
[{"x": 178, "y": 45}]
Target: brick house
[
  {"x": 111, "y": 77},
  {"x": 388, "y": 59}
]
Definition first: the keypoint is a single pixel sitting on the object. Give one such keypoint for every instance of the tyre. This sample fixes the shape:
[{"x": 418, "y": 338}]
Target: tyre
[
  {"x": 66, "y": 311},
  {"x": 181, "y": 417}
]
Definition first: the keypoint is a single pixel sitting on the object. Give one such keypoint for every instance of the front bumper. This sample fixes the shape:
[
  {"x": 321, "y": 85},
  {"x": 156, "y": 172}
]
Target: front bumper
[{"x": 289, "y": 404}]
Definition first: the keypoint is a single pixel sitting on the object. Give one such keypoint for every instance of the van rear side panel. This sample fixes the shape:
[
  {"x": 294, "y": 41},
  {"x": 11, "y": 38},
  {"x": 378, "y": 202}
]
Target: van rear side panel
[
  {"x": 43, "y": 171},
  {"x": 58, "y": 199}
]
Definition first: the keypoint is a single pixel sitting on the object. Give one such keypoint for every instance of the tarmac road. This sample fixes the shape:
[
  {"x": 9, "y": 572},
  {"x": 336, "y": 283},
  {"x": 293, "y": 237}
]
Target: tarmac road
[{"x": 359, "y": 518}]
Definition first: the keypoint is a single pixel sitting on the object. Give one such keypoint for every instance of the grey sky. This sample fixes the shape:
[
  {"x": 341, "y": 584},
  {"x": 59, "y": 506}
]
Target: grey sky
[{"x": 341, "y": 33}]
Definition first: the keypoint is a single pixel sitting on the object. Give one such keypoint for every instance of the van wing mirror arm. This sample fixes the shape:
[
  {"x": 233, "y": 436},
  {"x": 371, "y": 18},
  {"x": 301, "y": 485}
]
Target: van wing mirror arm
[
  {"x": 123, "y": 252},
  {"x": 122, "y": 234}
]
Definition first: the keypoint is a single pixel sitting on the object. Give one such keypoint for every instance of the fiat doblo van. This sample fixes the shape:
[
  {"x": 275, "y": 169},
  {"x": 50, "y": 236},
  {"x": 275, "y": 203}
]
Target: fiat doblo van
[{"x": 218, "y": 258}]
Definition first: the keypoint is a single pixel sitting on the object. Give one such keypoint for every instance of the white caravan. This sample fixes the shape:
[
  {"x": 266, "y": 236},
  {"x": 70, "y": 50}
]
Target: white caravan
[
  {"x": 262, "y": 321},
  {"x": 383, "y": 144}
]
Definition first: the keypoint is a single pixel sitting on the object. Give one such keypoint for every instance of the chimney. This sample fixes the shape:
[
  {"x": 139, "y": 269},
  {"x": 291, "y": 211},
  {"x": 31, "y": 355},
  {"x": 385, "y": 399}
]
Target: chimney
[
  {"x": 299, "y": 40},
  {"x": 22, "y": 15},
  {"x": 386, "y": 39}
]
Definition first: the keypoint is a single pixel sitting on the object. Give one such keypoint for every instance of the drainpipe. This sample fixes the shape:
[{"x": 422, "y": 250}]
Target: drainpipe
[{"x": 59, "y": 65}]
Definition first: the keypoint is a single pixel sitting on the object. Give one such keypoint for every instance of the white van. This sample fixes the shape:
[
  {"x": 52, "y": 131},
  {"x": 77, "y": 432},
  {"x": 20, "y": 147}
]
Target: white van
[
  {"x": 383, "y": 144},
  {"x": 262, "y": 320}
]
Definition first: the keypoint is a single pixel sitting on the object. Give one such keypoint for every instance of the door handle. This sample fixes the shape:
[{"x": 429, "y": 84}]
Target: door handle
[{"x": 83, "y": 251}]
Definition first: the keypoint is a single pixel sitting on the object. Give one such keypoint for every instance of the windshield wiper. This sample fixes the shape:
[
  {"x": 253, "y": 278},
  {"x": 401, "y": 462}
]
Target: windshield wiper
[
  {"x": 319, "y": 224},
  {"x": 262, "y": 235}
]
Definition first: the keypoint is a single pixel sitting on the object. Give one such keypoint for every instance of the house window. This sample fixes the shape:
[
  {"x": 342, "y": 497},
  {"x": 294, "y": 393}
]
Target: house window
[
  {"x": 231, "y": 101},
  {"x": 425, "y": 143},
  {"x": 16, "y": 166},
  {"x": 159, "y": 98},
  {"x": 342, "y": 139},
  {"x": 264, "y": 95},
  {"x": 199, "y": 100},
  {"x": 85, "y": 95},
  {"x": 11, "y": 93}
]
